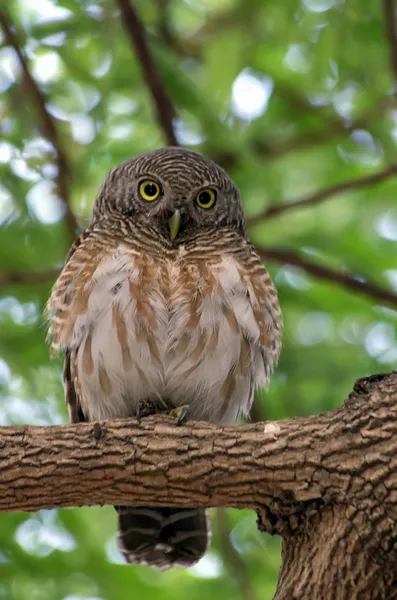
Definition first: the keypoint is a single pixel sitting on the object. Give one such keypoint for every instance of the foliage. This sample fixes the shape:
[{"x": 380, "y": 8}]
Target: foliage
[{"x": 291, "y": 97}]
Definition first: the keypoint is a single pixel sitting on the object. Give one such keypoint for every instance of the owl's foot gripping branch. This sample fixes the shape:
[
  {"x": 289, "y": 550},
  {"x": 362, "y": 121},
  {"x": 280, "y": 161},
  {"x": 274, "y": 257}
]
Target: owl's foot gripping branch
[{"x": 326, "y": 484}]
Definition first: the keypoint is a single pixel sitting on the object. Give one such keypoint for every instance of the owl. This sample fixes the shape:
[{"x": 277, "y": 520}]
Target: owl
[{"x": 164, "y": 304}]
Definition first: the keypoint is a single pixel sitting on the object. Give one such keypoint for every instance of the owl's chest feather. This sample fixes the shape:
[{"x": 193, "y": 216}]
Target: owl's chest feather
[{"x": 181, "y": 330}]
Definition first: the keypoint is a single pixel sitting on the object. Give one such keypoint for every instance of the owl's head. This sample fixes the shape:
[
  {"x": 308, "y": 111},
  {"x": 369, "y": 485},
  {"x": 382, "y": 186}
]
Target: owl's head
[{"x": 174, "y": 190}]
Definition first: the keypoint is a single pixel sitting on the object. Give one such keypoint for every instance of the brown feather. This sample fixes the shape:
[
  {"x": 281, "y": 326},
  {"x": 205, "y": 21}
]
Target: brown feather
[{"x": 121, "y": 329}]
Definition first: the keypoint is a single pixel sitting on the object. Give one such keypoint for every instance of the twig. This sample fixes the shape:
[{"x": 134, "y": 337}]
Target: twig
[
  {"x": 28, "y": 277},
  {"x": 47, "y": 123},
  {"x": 349, "y": 281},
  {"x": 324, "y": 194},
  {"x": 389, "y": 11},
  {"x": 333, "y": 127},
  {"x": 235, "y": 564},
  {"x": 163, "y": 105}
]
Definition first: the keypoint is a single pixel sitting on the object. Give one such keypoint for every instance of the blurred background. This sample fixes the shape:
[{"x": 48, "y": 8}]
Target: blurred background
[{"x": 298, "y": 101}]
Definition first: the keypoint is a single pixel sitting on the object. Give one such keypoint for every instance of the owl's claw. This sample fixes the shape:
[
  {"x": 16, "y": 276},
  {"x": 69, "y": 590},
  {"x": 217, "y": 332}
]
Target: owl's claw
[
  {"x": 180, "y": 413},
  {"x": 148, "y": 407},
  {"x": 143, "y": 409}
]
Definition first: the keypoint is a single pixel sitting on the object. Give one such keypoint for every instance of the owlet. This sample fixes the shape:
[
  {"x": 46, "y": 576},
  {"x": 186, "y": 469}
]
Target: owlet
[{"x": 164, "y": 303}]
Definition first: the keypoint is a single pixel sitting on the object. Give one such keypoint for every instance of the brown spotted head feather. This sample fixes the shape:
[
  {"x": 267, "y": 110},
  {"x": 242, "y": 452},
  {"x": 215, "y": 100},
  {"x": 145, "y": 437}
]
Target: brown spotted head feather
[{"x": 181, "y": 176}]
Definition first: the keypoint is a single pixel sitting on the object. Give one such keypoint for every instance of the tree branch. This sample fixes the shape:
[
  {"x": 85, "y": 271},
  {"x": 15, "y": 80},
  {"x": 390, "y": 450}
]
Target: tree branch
[
  {"x": 28, "y": 277},
  {"x": 354, "y": 283},
  {"x": 164, "y": 108},
  {"x": 321, "y": 195},
  {"x": 326, "y": 483},
  {"x": 197, "y": 464},
  {"x": 47, "y": 123},
  {"x": 389, "y": 11},
  {"x": 333, "y": 129}
]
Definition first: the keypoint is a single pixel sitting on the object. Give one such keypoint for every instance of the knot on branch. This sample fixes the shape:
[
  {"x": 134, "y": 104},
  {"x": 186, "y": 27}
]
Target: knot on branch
[
  {"x": 365, "y": 384},
  {"x": 99, "y": 430},
  {"x": 286, "y": 519}
]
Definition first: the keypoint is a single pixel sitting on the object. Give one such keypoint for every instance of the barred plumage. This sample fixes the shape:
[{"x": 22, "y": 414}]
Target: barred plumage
[{"x": 143, "y": 317}]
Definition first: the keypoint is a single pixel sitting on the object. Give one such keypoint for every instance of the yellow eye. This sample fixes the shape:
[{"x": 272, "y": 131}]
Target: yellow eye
[
  {"x": 149, "y": 190},
  {"x": 206, "y": 198}
]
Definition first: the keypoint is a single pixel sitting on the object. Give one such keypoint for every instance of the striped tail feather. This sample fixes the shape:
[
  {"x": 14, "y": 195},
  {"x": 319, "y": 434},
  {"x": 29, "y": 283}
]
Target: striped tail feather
[{"x": 163, "y": 537}]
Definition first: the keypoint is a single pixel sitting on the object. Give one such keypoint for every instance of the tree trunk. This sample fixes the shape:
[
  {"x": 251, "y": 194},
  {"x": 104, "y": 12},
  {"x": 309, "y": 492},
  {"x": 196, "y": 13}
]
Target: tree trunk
[{"x": 327, "y": 484}]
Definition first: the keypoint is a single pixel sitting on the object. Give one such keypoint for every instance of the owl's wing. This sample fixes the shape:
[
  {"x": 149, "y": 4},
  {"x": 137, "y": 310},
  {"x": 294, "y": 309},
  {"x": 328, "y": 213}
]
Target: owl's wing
[
  {"x": 58, "y": 310},
  {"x": 265, "y": 306},
  {"x": 75, "y": 411},
  {"x": 259, "y": 316}
]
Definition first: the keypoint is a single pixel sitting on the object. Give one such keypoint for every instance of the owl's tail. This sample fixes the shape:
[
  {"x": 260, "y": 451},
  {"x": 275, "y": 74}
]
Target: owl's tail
[{"x": 163, "y": 537}]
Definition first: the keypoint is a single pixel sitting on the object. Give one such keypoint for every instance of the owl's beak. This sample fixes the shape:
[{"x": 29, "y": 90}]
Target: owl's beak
[{"x": 175, "y": 223}]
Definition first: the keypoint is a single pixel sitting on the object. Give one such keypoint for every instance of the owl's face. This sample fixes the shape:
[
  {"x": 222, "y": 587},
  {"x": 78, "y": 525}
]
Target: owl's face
[{"x": 176, "y": 191}]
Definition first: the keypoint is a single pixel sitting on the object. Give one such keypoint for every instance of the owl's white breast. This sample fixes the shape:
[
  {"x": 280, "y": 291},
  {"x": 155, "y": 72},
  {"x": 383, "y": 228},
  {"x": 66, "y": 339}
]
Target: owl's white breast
[{"x": 171, "y": 329}]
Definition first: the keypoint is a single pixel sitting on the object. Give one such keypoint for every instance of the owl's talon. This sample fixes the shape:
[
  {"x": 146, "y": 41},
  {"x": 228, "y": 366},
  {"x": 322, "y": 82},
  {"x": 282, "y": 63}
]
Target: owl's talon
[
  {"x": 180, "y": 413},
  {"x": 145, "y": 408},
  {"x": 183, "y": 416}
]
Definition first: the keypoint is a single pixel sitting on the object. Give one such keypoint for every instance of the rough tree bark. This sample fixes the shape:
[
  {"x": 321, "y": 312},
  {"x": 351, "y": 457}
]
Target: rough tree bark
[{"x": 326, "y": 484}]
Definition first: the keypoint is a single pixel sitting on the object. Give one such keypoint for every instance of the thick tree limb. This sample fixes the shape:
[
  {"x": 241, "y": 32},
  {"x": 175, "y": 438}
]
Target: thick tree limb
[
  {"x": 48, "y": 127},
  {"x": 164, "y": 108},
  {"x": 321, "y": 195},
  {"x": 327, "y": 484}
]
